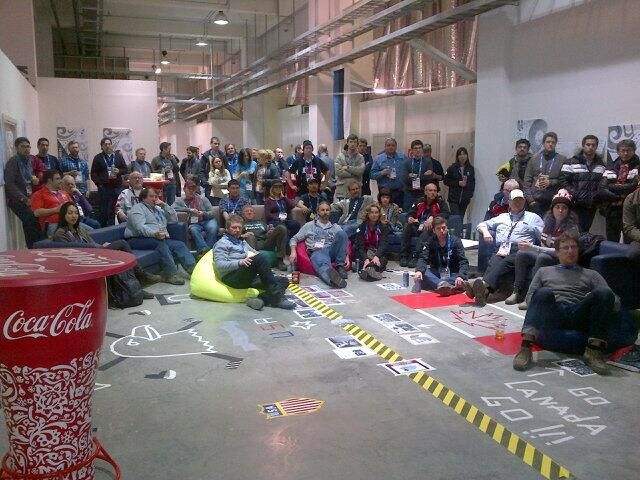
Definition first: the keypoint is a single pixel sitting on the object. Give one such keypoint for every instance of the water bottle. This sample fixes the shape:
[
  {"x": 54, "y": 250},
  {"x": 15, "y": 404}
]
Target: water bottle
[
  {"x": 356, "y": 266},
  {"x": 464, "y": 232}
]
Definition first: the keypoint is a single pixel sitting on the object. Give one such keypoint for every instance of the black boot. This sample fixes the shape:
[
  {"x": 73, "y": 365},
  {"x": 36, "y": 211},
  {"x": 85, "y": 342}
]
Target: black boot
[{"x": 146, "y": 278}]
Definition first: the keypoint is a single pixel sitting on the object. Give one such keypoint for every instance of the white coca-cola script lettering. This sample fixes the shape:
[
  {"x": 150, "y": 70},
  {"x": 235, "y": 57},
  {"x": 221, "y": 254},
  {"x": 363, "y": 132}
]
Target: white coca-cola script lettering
[
  {"x": 12, "y": 268},
  {"x": 78, "y": 258},
  {"x": 71, "y": 318}
]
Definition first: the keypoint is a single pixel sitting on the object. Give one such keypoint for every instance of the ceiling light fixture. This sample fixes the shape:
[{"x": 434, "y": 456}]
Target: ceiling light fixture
[
  {"x": 220, "y": 18},
  {"x": 201, "y": 42},
  {"x": 380, "y": 91},
  {"x": 156, "y": 69},
  {"x": 165, "y": 60}
]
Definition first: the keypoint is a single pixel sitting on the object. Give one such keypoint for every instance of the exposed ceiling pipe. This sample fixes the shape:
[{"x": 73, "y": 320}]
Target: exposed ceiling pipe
[{"x": 415, "y": 30}]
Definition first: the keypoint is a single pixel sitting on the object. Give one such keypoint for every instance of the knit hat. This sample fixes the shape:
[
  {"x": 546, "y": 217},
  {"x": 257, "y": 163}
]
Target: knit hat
[{"x": 563, "y": 196}]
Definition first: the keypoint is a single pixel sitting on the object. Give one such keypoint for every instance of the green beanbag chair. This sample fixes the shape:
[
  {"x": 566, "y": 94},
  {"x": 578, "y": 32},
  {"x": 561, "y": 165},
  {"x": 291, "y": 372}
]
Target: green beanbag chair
[{"x": 205, "y": 284}]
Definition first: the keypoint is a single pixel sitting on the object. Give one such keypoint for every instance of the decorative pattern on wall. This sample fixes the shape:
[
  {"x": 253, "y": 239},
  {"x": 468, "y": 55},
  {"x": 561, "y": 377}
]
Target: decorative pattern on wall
[
  {"x": 532, "y": 130},
  {"x": 618, "y": 133},
  {"x": 64, "y": 135},
  {"x": 121, "y": 139}
]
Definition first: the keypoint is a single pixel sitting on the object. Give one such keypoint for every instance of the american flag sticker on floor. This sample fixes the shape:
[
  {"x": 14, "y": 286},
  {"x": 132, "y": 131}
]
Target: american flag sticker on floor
[{"x": 290, "y": 406}]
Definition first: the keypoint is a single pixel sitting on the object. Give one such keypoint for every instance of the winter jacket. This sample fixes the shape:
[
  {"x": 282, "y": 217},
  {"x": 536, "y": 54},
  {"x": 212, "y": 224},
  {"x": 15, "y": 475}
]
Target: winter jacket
[
  {"x": 345, "y": 213},
  {"x": 458, "y": 194},
  {"x": 419, "y": 166},
  {"x": 631, "y": 217},
  {"x": 582, "y": 180},
  {"x": 348, "y": 169},
  {"x": 431, "y": 257},
  {"x": 100, "y": 173},
  {"x": 312, "y": 232},
  {"x": 439, "y": 208},
  {"x": 228, "y": 251},
  {"x": 535, "y": 167},
  {"x": 359, "y": 244},
  {"x": 145, "y": 221},
  {"x": 611, "y": 175},
  {"x": 200, "y": 203},
  {"x": 518, "y": 167},
  {"x": 264, "y": 176},
  {"x": 218, "y": 180}
]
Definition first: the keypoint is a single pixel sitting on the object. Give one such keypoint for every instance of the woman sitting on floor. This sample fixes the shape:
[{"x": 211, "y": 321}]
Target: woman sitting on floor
[
  {"x": 371, "y": 244},
  {"x": 559, "y": 219},
  {"x": 69, "y": 230}
]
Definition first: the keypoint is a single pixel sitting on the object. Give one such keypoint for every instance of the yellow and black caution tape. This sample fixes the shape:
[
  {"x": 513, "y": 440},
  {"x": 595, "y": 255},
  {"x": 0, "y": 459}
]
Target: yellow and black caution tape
[{"x": 522, "y": 449}]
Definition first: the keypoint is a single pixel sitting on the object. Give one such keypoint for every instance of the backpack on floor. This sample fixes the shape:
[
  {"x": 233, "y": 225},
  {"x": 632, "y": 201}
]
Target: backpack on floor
[{"x": 124, "y": 290}]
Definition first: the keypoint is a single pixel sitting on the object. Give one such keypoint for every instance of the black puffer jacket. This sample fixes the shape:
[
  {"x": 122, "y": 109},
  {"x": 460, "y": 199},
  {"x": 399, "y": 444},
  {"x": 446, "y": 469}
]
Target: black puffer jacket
[
  {"x": 583, "y": 180},
  {"x": 611, "y": 176},
  {"x": 458, "y": 194}
]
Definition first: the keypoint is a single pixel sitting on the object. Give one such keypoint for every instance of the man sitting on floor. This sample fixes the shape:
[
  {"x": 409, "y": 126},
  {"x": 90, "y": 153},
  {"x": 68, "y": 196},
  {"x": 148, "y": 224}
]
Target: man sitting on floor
[
  {"x": 309, "y": 201},
  {"x": 265, "y": 237},
  {"x": 509, "y": 228},
  {"x": 326, "y": 242},
  {"x": 568, "y": 297},
  {"x": 352, "y": 209},
  {"x": 238, "y": 265},
  {"x": 442, "y": 265}
]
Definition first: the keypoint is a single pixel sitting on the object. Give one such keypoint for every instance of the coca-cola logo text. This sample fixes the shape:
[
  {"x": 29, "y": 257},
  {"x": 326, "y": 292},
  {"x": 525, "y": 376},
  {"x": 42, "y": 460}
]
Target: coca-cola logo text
[{"x": 71, "y": 318}]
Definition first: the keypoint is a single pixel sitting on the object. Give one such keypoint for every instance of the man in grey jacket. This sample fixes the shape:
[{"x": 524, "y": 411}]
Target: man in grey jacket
[
  {"x": 326, "y": 242},
  {"x": 201, "y": 218},
  {"x": 349, "y": 167},
  {"x": 239, "y": 264},
  {"x": 147, "y": 230},
  {"x": 568, "y": 297},
  {"x": 541, "y": 178},
  {"x": 352, "y": 209}
]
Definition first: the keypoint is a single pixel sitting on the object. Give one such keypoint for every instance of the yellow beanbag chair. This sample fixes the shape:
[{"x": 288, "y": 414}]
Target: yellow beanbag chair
[{"x": 205, "y": 284}]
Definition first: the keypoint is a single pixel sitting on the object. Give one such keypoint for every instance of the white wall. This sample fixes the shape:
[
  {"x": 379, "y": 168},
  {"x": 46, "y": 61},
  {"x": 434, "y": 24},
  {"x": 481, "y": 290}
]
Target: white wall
[
  {"x": 17, "y": 34},
  {"x": 293, "y": 127},
  {"x": 19, "y": 100},
  {"x": 95, "y": 104},
  {"x": 573, "y": 63}
]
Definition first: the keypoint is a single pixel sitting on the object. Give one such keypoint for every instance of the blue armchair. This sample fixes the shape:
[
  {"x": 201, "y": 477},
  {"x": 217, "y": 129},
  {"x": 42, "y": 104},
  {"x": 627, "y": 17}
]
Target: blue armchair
[{"x": 622, "y": 275}]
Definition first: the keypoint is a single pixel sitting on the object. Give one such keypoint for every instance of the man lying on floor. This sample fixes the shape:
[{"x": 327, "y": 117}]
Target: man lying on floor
[
  {"x": 239, "y": 266},
  {"x": 569, "y": 297}
]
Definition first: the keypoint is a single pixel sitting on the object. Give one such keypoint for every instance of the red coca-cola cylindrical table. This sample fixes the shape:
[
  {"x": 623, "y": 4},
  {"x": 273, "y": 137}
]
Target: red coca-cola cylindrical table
[{"x": 53, "y": 315}]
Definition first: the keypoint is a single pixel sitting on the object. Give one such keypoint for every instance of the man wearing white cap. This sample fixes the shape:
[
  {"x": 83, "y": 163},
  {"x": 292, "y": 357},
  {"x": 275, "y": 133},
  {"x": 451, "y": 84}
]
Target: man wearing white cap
[{"x": 517, "y": 225}]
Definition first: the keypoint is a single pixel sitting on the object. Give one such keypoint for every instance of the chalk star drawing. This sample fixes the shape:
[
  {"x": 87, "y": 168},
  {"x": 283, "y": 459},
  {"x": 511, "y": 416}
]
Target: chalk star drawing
[
  {"x": 144, "y": 341},
  {"x": 473, "y": 318},
  {"x": 303, "y": 325}
]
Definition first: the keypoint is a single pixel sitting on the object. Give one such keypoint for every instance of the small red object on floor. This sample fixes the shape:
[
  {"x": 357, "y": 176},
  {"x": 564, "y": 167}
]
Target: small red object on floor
[
  {"x": 431, "y": 300},
  {"x": 510, "y": 345}
]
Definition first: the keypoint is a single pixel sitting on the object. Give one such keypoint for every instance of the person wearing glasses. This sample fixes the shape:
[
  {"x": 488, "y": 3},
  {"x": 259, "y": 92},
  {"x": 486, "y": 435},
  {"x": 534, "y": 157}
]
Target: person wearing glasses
[{"x": 568, "y": 297}]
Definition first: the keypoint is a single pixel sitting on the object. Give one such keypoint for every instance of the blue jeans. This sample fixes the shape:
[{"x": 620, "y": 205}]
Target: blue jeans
[
  {"x": 336, "y": 252},
  {"x": 591, "y": 316},
  {"x": 350, "y": 228},
  {"x": 210, "y": 228},
  {"x": 169, "y": 193},
  {"x": 431, "y": 279},
  {"x": 90, "y": 223},
  {"x": 168, "y": 250}
]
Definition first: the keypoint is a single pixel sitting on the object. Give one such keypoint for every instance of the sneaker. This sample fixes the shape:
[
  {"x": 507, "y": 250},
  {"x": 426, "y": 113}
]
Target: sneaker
[
  {"x": 285, "y": 304},
  {"x": 523, "y": 359},
  {"x": 403, "y": 261},
  {"x": 467, "y": 286},
  {"x": 256, "y": 303},
  {"x": 480, "y": 291},
  {"x": 514, "y": 298},
  {"x": 282, "y": 266},
  {"x": 413, "y": 261},
  {"x": 597, "y": 360},
  {"x": 147, "y": 295},
  {"x": 343, "y": 272},
  {"x": 444, "y": 289},
  {"x": 149, "y": 278},
  {"x": 523, "y": 305},
  {"x": 173, "y": 279},
  {"x": 336, "y": 278}
]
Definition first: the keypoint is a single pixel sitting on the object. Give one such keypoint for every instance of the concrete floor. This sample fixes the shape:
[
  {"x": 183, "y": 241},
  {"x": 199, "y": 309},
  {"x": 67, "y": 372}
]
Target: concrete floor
[{"x": 205, "y": 424}]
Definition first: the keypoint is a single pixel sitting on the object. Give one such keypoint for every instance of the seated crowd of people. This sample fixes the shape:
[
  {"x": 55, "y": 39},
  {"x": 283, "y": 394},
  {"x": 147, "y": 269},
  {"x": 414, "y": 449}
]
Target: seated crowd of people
[{"x": 528, "y": 240}]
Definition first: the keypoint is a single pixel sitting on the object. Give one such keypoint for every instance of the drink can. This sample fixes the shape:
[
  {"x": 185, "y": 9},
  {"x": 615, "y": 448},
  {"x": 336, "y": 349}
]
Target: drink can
[
  {"x": 295, "y": 278},
  {"x": 405, "y": 279}
]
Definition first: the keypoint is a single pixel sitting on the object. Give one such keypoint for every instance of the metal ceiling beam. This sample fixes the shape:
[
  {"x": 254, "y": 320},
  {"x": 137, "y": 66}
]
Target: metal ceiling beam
[
  {"x": 415, "y": 30},
  {"x": 458, "y": 67},
  {"x": 246, "y": 7},
  {"x": 142, "y": 73}
]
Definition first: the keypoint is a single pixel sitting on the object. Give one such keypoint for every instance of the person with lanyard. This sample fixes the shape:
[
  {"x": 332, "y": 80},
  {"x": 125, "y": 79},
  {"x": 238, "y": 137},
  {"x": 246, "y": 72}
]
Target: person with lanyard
[
  {"x": 387, "y": 170},
  {"x": 417, "y": 171},
  {"x": 129, "y": 196},
  {"x": 219, "y": 178},
  {"x": 349, "y": 167},
  {"x": 420, "y": 224},
  {"x": 277, "y": 209},
  {"x": 245, "y": 171},
  {"x": 140, "y": 164},
  {"x": 265, "y": 237},
  {"x": 371, "y": 244},
  {"x": 201, "y": 218},
  {"x": 69, "y": 230},
  {"x": 106, "y": 172},
  {"x": 47, "y": 201},
  {"x": 166, "y": 163},
  {"x": 19, "y": 181},
  {"x": 368, "y": 163},
  {"x": 541, "y": 178},
  {"x": 233, "y": 204},
  {"x": 352, "y": 209},
  {"x": 307, "y": 167},
  {"x": 72, "y": 164},
  {"x": 325, "y": 242},
  {"x": 206, "y": 162},
  {"x": 48, "y": 161},
  {"x": 510, "y": 229},
  {"x": 442, "y": 265},
  {"x": 231, "y": 159},
  {"x": 84, "y": 207},
  {"x": 309, "y": 201},
  {"x": 266, "y": 173},
  {"x": 147, "y": 230},
  {"x": 190, "y": 166}
]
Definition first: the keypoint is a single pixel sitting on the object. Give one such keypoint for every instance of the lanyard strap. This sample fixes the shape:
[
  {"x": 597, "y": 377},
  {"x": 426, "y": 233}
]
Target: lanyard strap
[
  {"x": 235, "y": 205},
  {"x": 547, "y": 168},
  {"x": 55, "y": 195},
  {"x": 413, "y": 164},
  {"x": 109, "y": 160}
]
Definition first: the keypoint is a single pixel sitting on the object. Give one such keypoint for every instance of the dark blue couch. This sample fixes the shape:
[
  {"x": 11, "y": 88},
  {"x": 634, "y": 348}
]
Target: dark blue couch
[
  {"x": 622, "y": 275},
  {"x": 147, "y": 259}
]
